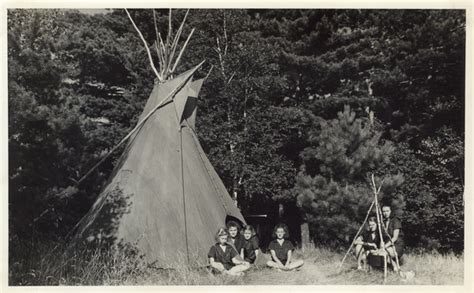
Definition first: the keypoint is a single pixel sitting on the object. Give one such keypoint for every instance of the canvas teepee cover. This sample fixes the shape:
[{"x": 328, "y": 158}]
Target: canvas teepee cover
[{"x": 164, "y": 196}]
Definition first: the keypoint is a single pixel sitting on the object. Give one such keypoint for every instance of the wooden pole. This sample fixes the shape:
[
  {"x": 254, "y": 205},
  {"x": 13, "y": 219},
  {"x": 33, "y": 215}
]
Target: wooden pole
[
  {"x": 382, "y": 244},
  {"x": 209, "y": 72},
  {"x": 379, "y": 224},
  {"x": 175, "y": 41},
  {"x": 305, "y": 237},
  {"x": 146, "y": 47},
  {"x": 170, "y": 31},
  {"x": 394, "y": 249},
  {"x": 181, "y": 52},
  {"x": 357, "y": 235}
]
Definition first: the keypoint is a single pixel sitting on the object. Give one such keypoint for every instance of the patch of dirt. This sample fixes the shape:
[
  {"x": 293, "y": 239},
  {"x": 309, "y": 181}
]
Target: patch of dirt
[{"x": 310, "y": 273}]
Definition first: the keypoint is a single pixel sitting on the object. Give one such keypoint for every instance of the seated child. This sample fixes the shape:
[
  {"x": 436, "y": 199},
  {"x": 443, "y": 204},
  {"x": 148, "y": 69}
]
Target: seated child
[
  {"x": 235, "y": 239},
  {"x": 368, "y": 244},
  {"x": 223, "y": 257},
  {"x": 281, "y": 249},
  {"x": 251, "y": 248}
]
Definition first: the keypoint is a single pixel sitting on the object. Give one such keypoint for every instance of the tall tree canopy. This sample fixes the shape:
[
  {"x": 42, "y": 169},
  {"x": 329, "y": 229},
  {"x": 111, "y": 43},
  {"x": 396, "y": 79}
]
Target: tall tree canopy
[{"x": 267, "y": 118}]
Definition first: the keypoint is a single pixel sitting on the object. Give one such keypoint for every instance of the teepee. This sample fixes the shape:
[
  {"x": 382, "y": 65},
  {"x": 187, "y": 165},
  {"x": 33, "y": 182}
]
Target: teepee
[{"x": 164, "y": 197}]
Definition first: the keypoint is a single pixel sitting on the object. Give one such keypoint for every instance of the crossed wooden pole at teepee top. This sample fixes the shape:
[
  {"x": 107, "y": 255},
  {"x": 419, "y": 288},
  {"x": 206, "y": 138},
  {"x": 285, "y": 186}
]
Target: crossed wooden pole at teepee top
[
  {"x": 378, "y": 212},
  {"x": 165, "y": 50}
]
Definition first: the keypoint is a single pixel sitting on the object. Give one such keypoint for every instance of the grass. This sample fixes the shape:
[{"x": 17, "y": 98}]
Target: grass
[{"x": 98, "y": 267}]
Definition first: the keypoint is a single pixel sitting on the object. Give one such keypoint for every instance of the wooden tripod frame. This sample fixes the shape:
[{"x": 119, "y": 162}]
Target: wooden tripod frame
[{"x": 378, "y": 213}]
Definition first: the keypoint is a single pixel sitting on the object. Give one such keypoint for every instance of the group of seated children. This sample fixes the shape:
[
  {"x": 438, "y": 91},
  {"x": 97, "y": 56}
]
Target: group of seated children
[
  {"x": 368, "y": 245},
  {"x": 235, "y": 251}
]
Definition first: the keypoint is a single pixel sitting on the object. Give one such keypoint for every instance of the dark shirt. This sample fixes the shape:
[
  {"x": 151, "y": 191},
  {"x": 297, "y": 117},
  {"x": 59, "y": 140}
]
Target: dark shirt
[
  {"x": 238, "y": 242},
  {"x": 224, "y": 257},
  {"x": 281, "y": 251},
  {"x": 249, "y": 249},
  {"x": 371, "y": 237},
  {"x": 393, "y": 224}
]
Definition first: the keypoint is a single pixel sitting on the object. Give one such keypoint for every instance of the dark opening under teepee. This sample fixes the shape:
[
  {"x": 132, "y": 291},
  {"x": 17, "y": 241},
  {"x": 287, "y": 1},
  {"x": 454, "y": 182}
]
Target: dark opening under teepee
[{"x": 164, "y": 197}]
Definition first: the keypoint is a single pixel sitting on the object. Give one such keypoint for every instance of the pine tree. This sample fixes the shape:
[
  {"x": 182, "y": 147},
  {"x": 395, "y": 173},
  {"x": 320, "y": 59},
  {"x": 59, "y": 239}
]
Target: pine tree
[{"x": 331, "y": 188}]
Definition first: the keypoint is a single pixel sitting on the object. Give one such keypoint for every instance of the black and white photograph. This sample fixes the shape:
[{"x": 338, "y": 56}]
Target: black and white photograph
[{"x": 235, "y": 146}]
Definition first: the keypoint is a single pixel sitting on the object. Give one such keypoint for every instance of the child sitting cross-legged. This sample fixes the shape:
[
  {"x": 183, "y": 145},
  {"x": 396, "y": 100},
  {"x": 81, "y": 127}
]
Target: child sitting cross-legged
[
  {"x": 281, "y": 251},
  {"x": 224, "y": 258},
  {"x": 250, "y": 248}
]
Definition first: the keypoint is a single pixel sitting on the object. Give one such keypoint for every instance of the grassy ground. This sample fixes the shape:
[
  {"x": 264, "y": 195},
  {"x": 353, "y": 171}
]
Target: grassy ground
[{"x": 321, "y": 268}]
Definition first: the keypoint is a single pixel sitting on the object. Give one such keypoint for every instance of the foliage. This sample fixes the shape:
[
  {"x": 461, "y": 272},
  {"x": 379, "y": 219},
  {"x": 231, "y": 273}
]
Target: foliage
[
  {"x": 434, "y": 213},
  {"x": 268, "y": 110},
  {"x": 333, "y": 188},
  {"x": 44, "y": 122},
  {"x": 408, "y": 67}
]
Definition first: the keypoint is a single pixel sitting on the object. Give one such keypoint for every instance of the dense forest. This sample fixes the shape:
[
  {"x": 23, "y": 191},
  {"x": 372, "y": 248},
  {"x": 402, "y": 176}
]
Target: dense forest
[{"x": 299, "y": 107}]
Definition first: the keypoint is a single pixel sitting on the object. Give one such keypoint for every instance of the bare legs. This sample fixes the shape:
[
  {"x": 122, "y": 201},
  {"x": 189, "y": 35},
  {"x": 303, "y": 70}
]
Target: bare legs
[
  {"x": 236, "y": 270},
  {"x": 361, "y": 256},
  {"x": 294, "y": 264},
  {"x": 392, "y": 257}
]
